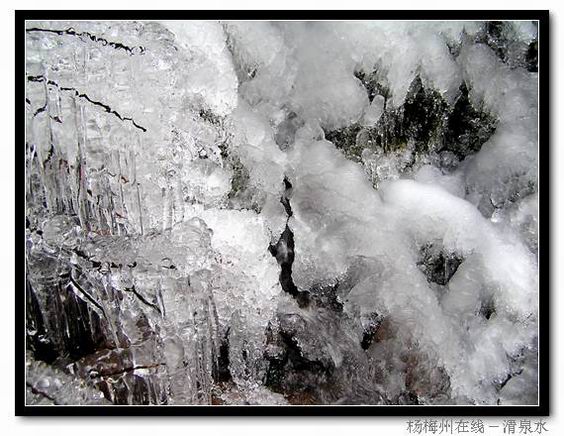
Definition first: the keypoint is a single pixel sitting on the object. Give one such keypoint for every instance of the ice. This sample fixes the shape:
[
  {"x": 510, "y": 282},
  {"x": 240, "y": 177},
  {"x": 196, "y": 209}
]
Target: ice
[
  {"x": 430, "y": 174},
  {"x": 206, "y": 182},
  {"x": 374, "y": 111},
  {"x": 45, "y": 385},
  {"x": 382, "y": 45},
  {"x": 282, "y": 212},
  {"x": 246, "y": 286},
  {"x": 512, "y": 95},
  {"x": 210, "y": 75}
]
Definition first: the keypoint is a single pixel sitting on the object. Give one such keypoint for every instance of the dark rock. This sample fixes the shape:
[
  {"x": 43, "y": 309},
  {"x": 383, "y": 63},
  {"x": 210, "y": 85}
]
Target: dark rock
[
  {"x": 345, "y": 140},
  {"x": 370, "y": 330},
  {"x": 532, "y": 57},
  {"x": 487, "y": 308},
  {"x": 424, "y": 111},
  {"x": 467, "y": 128},
  {"x": 420, "y": 120},
  {"x": 501, "y": 37},
  {"x": 283, "y": 251},
  {"x": 438, "y": 265}
]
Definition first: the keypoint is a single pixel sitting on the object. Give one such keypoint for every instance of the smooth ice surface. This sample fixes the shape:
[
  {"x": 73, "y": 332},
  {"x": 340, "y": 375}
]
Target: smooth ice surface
[{"x": 282, "y": 212}]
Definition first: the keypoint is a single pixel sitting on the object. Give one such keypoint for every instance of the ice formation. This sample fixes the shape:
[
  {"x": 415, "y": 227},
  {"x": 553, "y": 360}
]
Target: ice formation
[{"x": 281, "y": 212}]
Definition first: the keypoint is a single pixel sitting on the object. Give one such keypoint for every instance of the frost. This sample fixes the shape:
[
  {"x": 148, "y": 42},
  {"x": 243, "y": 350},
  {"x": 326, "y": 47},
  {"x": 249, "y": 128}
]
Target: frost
[{"x": 281, "y": 212}]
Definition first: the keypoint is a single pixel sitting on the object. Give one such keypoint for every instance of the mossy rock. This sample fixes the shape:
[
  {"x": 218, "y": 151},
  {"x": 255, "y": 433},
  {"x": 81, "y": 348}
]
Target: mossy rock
[{"x": 425, "y": 120}]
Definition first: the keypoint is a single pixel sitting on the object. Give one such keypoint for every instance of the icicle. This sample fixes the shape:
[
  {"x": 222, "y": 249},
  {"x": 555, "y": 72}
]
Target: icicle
[
  {"x": 137, "y": 185},
  {"x": 120, "y": 181},
  {"x": 80, "y": 172}
]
